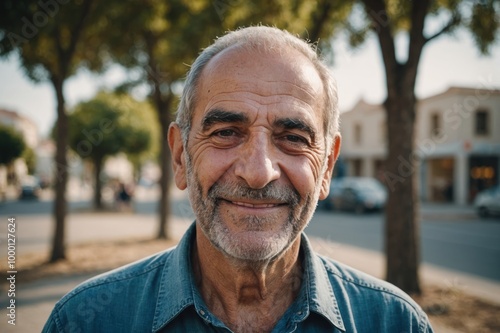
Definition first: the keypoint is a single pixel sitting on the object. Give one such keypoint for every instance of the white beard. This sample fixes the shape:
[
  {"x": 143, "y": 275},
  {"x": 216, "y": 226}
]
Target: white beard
[{"x": 255, "y": 244}]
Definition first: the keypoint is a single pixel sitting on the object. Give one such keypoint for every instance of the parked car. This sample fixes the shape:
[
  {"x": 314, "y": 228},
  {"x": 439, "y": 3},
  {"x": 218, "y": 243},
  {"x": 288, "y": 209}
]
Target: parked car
[
  {"x": 358, "y": 194},
  {"x": 487, "y": 202},
  {"x": 29, "y": 188}
]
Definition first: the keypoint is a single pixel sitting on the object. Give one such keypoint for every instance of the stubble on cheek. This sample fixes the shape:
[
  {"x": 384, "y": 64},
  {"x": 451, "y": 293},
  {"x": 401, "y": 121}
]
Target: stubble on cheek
[
  {"x": 245, "y": 237},
  {"x": 250, "y": 237}
]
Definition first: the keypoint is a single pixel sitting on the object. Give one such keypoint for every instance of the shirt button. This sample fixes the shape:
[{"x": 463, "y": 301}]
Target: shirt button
[
  {"x": 299, "y": 313},
  {"x": 202, "y": 312}
]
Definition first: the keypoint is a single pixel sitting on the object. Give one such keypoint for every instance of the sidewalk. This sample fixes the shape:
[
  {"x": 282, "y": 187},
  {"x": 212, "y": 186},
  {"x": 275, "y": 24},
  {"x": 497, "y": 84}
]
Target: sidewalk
[
  {"x": 446, "y": 211},
  {"x": 36, "y": 299}
]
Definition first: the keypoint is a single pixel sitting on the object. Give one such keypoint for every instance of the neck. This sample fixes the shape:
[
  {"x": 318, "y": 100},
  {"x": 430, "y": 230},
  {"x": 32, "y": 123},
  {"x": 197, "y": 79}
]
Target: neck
[{"x": 247, "y": 296}]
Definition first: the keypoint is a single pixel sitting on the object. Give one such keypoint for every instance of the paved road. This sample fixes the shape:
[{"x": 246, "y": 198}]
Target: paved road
[
  {"x": 452, "y": 237},
  {"x": 180, "y": 207},
  {"x": 462, "y": 243}
]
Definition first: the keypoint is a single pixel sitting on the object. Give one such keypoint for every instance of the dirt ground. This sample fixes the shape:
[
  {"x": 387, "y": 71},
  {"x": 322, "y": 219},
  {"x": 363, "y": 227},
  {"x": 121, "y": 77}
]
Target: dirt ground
[{"x": 448, "y": 307}]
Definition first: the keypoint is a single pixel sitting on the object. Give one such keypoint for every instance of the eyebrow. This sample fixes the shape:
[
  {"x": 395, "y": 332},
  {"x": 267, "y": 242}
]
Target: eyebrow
[
  {"x": 294, "y": 123},
  {"x": 217, "y": 116}
]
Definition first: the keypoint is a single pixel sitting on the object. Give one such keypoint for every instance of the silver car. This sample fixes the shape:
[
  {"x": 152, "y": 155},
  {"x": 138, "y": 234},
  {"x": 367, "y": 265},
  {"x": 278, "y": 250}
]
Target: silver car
[
  {"x": 488, "y": 202},
  {"x": 358, "y": 194}
]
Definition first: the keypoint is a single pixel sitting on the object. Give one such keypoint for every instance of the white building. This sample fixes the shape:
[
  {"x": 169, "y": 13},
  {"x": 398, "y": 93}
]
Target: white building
[
  {"x": 29, "y": 131},
  {"x": 45, "y": 169},
  {"x": 22, "y": 124},
  {"x": 457, "y": 139}
]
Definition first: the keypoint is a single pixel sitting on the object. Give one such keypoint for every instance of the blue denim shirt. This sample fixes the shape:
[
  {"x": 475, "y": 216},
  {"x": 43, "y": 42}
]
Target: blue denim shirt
[{"x": 159, "y": 294}]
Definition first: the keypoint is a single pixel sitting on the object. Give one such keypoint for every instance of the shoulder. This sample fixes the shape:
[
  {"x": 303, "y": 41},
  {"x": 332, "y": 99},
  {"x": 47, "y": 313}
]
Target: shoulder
[
  {"x": 361, "y": 294},
  {"x": 351, "y": 278},
  {"x": 140, "y": 269},
  {"x": 127, "y": 289}
]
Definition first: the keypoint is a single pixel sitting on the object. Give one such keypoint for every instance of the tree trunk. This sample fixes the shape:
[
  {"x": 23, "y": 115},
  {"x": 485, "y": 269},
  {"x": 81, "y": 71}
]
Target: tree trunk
[
  {"x": 98, "y": 185},
  {"x": 63, "y": 54},
  {"x": 165, "y": 165},
  {"x": 402, "y": 237},
  {"x": 163, "y": 102},
  {"x": 402, "y": 242},
  {"x": 61, "y": 175}
]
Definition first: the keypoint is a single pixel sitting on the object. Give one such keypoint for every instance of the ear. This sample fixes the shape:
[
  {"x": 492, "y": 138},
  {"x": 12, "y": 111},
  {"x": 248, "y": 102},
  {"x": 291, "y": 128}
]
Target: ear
[
  {"x": 332, "y": 158},
  {"x": 178, "y": 159}
]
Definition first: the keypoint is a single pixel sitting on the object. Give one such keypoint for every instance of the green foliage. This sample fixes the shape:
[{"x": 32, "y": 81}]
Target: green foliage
[
  {"x": 30, "y": 159},
  {"x": 357, "y": 26},
  {"x": 45, "y": 33},
  {"x": 173, "y": 33},
  {"x": 484, "y": 23},
  {"x": 109, "y": 124},
  {"x": 11, "y": 145},
  {"x": 315, "y": 21},
  {"x": 480, "y": 18}
]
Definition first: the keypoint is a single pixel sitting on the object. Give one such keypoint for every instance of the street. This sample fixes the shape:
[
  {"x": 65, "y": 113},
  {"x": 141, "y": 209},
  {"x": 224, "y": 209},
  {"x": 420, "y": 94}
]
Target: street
[
  {"x": 469, "y": 245},
  {"x": 452, "y": 237}
]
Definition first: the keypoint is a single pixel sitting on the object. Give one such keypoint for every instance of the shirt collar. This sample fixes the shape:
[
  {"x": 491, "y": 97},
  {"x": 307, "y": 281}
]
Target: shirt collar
[
  {"x": 177, "y": 285},
  {"x": 320, "y": 295},
  {"x": 175, "y": 292}
]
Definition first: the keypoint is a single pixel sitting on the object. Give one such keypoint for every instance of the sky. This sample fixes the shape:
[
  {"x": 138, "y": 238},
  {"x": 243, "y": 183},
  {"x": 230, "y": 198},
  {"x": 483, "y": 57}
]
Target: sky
[{"x": 447, "y": 61}]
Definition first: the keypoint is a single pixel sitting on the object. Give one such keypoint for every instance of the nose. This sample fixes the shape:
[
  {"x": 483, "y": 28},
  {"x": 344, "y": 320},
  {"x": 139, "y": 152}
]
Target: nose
[{"x": 256, "y": 163}]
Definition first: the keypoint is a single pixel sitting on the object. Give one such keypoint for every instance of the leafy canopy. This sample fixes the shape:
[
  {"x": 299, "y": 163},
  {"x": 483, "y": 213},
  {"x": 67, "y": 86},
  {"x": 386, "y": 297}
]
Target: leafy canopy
[
  {"x": 109, "y": 124},
  {"x": 11, "y": 145},
  {"x": 479, "y": 18},
  {"x": 45, "y": 35}
]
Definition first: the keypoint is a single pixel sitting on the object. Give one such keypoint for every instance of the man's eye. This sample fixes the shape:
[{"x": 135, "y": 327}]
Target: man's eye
[
  {"x": 225, "y": 133},
  {"x": 292, "y": 143},
  {"x": 226, "y": 138},
  {"x": 295, "y": 138}
]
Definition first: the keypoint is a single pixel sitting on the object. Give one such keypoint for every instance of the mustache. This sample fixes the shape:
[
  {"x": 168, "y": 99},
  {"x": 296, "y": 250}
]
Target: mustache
[{"x": 237, "y": 190}]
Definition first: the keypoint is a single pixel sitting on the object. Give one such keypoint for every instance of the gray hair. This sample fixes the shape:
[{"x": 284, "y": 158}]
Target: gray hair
[{"x": 260, "y": 38}]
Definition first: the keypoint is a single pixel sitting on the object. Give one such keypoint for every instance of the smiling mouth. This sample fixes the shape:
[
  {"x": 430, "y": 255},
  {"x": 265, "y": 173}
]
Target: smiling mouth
[{"x": 255, "y": 205}]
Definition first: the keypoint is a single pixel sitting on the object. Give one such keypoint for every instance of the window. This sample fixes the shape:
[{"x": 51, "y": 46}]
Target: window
[
  {"x": 482, "y": 122},
  {"x": 357, "y": 134},
  {"x": 435, "y": 125},
  {"x": 357, "y": 165}
]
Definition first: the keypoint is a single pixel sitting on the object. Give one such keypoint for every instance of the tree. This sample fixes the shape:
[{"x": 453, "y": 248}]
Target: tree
[
  {"x": 12, "y": 145},
  {"x": 386, "y": 19},
  {"x": 107, "y": 125},
  {"x": 52, "y": 39},
  {"x": 161, "y": 38}
]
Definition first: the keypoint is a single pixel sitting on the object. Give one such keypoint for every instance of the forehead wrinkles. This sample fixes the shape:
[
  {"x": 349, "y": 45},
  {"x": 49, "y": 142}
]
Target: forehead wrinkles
[
  {"x": 274, "y": 71},
  {"x": 253, "y": 93},
  {"x": 250, "y": 83},
  {"x": 255, "y": 101}
]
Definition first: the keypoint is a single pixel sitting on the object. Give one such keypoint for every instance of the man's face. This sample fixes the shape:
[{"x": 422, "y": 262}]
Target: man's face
[{"x": 255, "y": 160}]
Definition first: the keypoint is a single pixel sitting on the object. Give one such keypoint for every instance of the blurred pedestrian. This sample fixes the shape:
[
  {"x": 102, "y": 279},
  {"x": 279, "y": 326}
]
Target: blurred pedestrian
[{"x": 123, "y": 197}]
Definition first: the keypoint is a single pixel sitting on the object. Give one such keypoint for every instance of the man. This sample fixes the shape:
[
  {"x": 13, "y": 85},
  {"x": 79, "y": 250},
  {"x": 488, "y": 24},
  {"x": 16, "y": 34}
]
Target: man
[{"x": 255, "y": 143}]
